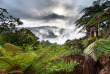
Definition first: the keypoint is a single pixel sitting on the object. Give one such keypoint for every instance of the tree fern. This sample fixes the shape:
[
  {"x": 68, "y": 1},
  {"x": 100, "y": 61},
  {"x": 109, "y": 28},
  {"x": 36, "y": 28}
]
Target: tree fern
[
  {"x": 101, "y": 46},
  {"x": 90, "y": 50},
  {"x": 99, "y": 17}
]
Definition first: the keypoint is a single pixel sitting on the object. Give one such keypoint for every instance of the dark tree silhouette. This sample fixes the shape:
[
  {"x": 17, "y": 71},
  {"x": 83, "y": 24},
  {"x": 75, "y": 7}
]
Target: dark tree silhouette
[
  {"x": 89, "y": 13},
  {"x": 8, "y": 22}
]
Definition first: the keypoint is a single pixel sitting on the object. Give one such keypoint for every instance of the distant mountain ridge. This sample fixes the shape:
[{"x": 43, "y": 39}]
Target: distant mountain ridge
[{"x": 46, "y": 31}]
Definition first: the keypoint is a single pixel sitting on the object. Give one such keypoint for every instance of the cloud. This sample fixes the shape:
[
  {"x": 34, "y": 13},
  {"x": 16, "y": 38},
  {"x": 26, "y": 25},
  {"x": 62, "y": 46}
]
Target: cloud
[
  {"x": 35, "y": 9},
  {"x": 46, "y": 31},
  {"x": 52, "y": 16},
  {"x": 41, "y": 9},
  {"x": 55, "y": 34},
  {"x": 27, "y": 8},
  {"x": 37, "y": 13}
]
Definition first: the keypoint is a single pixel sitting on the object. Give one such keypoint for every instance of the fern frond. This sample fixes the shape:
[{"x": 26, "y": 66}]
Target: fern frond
[
  {"x": 90, "y": 50},
  {"x": 99, "y": 17}
]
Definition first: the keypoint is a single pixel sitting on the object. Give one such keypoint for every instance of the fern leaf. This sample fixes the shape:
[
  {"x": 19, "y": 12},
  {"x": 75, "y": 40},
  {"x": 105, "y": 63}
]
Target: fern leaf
[{"x": 90, "y": 50}]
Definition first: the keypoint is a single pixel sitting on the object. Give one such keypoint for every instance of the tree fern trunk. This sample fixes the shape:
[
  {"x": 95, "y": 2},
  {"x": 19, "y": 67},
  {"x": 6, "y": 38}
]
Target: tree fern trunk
[
  {"x": 92, "y": 32},
  {"x": 97, "y": 30},
  {"x": 90, "y": 66},
  {"x": 88, "y": 31},
  {"x": 107, "y": 33}
]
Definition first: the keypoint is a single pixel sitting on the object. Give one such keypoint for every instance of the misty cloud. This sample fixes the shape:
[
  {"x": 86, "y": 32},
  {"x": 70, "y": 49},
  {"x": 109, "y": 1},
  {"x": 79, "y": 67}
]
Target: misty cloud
[
  {"x": 34, "y": 9},
  {"x": 39, "y": 13},
  {"x": 46, "y": 31},
  {"x": 52, "y": 16}
]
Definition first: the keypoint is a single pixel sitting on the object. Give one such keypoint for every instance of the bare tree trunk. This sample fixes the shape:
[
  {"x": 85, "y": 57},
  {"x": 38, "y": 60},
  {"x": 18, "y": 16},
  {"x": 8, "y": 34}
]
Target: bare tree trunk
[
  {"x": 88, "y": 31},
  {"x": 92, "y": 32},
  {"x": 90, "y": 66},
  {"x": 96, "y": 27},
  {"x": 107, "y": 33}
]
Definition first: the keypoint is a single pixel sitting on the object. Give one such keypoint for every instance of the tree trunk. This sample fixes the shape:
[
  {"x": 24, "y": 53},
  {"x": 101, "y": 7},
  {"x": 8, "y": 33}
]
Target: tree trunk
[
  {"x": 107, "y": 33},
  {"x": 90, "y": 66},
  {"x": 88, "y": 31},
  {"x": 96, "y": 27},
  {"x": 92, "y": 32}
]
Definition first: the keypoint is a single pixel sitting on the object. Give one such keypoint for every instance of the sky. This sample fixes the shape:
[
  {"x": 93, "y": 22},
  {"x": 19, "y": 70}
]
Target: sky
[{"x": 51, "y": 20}]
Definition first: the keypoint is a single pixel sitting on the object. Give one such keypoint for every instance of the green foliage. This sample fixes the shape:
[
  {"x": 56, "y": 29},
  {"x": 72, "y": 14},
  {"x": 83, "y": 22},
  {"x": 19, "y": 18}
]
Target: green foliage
[
  {"x": 24, "y": 60},
  {"x": 90, "y": 50},
  {"x": 29, "y": 56},
  {"x": 23, "y": 38},
  {"x": 43, "y": 60},
  {"x": 94, "y": 20},
  {"x": 101, "y": 46},
  {"x": 75, "y": 46},
  {"x": 27, "y": 37},
  {"x": 10, "y": 47},
  {"x": 61, "y": 66},
  {"x": 89, "y": 41}
]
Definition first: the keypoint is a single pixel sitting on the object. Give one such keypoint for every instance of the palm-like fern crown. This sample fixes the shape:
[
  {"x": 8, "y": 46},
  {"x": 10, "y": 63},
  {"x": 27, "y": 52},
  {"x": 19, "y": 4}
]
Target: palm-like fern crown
[{"x": 90, "y": 14}]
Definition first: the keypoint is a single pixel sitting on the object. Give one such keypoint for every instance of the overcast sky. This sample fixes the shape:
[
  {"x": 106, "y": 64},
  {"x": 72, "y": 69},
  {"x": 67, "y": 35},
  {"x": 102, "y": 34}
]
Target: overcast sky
[{"x": 58, "y": 13}]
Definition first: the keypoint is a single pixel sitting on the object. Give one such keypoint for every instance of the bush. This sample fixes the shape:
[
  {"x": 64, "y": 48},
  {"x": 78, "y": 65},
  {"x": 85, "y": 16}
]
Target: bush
[
  {"x": 10, "y": 47},
  {"x": 89, "y": 41},
  {"x": 75, "y": 46}
]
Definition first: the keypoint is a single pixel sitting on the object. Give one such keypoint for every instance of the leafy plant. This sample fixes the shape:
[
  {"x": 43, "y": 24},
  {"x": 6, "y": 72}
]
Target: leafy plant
[{"x": 101, "y": 46}]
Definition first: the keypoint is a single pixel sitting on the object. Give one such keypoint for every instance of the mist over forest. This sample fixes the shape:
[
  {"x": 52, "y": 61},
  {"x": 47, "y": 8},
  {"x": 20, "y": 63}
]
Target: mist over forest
[{"x": 51, "y": 13}]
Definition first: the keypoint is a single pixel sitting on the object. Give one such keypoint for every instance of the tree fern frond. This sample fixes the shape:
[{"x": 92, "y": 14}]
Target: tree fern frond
[
  {"x": 100, "y": 46},
  {"x": 90, "y": 50},
  {"x": 99, "y": 17}
]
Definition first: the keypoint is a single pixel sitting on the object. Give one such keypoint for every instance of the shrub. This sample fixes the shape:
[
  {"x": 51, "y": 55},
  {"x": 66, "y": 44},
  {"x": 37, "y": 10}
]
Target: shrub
[
  {"x": 10, "y": 47},
  {"x": 89, "y": 41}
]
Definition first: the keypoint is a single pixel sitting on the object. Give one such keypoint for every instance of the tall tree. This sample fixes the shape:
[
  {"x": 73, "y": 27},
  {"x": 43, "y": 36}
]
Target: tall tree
[
  {"x": 8, "y": 22},
  {"x": 102, "y": 17},
  {"x": 89, "y": 13}
]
